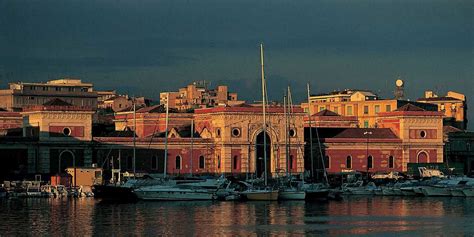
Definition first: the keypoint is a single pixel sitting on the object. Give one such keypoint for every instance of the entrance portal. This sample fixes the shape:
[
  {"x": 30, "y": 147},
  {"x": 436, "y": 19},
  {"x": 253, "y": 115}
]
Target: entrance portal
[{"x": 259, "y": 152}]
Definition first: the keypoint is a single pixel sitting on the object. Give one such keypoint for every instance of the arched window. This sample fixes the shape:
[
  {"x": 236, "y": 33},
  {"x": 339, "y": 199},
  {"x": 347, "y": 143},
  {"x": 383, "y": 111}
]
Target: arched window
[
  {"x": 370, "y": 162},
  {"x": 235, "y": 162},
  {"x": 218, "y": 162},
  {"x": 178, "y": 162},
  {"x": 349, "y": 162},
  {"x": 390, "y": 162},
  {"x": 422, "y": 157},
  {"x": 201, "y": 162},
  {"x": 291, "y": 162}
]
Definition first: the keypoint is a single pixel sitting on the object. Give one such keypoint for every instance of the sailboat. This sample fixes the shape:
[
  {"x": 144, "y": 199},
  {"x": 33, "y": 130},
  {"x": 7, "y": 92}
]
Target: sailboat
[
  {"x": 179, "y": 190},
  {"x": 318, "y": 191},
  {"x": 267, "y": 193},
  {"x": 118, "y": 191},
  {"x": 290, "y": 190}
]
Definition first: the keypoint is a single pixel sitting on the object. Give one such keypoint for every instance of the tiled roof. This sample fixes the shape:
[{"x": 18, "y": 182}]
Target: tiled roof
[
  {"x": 449, "y": 129},
  {"x": 409, "y": 107},
  {"x": 326, "y": 113},
  {"x": 57, "y": 102}
]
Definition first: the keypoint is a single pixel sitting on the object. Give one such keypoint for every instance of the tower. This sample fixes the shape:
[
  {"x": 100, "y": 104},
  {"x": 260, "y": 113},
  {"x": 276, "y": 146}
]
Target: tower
[{"x": 399, "y": 90}]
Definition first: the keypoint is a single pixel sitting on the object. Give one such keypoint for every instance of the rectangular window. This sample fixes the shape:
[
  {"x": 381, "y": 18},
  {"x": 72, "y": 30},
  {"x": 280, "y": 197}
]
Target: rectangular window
[
  {"x": 336, "y": 109},
  {"x": 366, "y": 124},
  {"x": 71, "y": 88},
  {"x": 349, "y": 110},
  {"x": 366, "y": 109},
  {"x": 377, "y": 109},
  {"x": 388, "y": 108},
  {"x": 58, "y": 89},
  {"x": 235, "y": 162},
  {"x": 45, "y": 88},
  {"x": 322, "y": 108}
]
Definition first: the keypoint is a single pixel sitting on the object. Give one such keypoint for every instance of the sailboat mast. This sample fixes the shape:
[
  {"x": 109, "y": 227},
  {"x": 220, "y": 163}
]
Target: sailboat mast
[
  {"x": 286, "y": 135},
  {"x": 192, "y": 144},
  {"x": 289, "y": 112},
  {"x": 166, "y": 135},
  {"x": 134, "y": 135},
  {"x": 310, "y": 135},
  {"x": 264, "y": 117}
]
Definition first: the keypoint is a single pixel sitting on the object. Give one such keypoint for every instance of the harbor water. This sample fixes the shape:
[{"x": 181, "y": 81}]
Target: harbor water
[{"x": 355, "y": 215}]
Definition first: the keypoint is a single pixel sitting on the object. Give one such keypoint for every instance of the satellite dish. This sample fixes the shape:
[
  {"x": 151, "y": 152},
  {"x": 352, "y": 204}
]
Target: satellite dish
[{"x": 399, "y": 83}]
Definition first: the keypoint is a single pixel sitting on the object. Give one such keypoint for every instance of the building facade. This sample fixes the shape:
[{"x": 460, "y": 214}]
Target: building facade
[
  {"x": 453, "y": 105},
  {"x": 22, "y": 94},
  {"x": 365, "y": 106},
  {"x": 198, "y": 95},
  {"x": 406, "y": 135}
]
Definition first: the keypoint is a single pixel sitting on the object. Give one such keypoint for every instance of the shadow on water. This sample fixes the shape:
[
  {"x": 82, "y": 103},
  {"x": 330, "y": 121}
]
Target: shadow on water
[{"x": 354, "y": 216}]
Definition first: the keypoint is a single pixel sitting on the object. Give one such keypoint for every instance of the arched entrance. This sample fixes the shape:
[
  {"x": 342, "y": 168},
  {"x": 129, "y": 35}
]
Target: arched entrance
[
  {"x": 422, "y": 157},
  {"x": 259, "y": 154},
  {"x": 66, "y": 159}
]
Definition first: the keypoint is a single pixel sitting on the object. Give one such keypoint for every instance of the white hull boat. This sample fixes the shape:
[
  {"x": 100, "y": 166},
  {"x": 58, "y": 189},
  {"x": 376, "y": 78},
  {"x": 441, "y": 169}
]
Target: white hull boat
[{"x": 433, "y": 191}]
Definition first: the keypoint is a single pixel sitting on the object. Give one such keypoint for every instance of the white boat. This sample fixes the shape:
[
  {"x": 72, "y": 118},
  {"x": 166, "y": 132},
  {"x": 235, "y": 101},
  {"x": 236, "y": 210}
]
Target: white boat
[
  {"x": 168, "y": 193},
  {"x": 436, "y": 191},
  {"x": 445, "y": 187}
]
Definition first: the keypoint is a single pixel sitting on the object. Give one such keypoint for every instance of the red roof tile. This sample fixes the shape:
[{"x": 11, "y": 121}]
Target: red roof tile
[{"x": 326, "y": 113}]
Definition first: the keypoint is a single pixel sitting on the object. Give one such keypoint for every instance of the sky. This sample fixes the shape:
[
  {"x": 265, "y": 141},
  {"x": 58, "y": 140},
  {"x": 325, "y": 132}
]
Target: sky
[{"x": 144, "y": 47}]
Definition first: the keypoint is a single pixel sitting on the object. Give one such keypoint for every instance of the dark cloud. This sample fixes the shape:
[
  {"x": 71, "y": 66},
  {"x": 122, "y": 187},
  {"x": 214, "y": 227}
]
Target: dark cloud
[{"x": 145, "y": 46}]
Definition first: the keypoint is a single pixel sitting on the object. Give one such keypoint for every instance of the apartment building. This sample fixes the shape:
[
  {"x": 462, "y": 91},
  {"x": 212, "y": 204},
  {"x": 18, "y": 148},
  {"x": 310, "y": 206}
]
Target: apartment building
[
  {"x": 23, "y": 94},
  {"x": 198, "y": 95}
]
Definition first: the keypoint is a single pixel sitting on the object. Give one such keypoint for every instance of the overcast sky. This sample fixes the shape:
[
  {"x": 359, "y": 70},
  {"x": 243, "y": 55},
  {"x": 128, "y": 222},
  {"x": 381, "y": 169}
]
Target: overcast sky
[{"x": 142, "y": 47}]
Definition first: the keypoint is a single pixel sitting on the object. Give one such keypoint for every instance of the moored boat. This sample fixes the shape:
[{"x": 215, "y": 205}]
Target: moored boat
[
  {"x": 260, "y": 195},
  {"x": 291, "y": 194},
  {"x": 169, "y": 193},
  {"x": 468, "y": 191}
]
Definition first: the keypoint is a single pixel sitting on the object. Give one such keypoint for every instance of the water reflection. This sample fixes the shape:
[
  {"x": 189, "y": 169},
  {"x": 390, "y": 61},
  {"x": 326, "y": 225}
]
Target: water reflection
[{"x": 355, "y": 215}]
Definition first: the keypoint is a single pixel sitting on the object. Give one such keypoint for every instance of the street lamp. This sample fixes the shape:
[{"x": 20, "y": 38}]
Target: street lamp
[{"x": 367, "y": 133}]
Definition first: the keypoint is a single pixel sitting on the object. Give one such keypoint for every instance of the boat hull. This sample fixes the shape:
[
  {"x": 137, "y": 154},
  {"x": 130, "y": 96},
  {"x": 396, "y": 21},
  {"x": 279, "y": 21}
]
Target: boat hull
[
  {"x": 436, "y": 191},
  {"x": 468, "y": 192},
  {"x": 260, "y": 195},
  {"x": 316, "y": 195},
  {"x": 292, "y": 195},
  {"x": 173, "y": 194},
  {"x": 457, "y": 192},
  {"x": 116, "y": 193}
]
